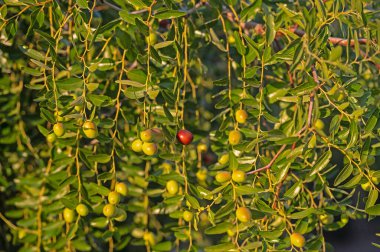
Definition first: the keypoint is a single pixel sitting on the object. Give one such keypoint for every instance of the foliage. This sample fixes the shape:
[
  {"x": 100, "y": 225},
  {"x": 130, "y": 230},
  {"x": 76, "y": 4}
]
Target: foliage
[{"x": 306, "y": 72}]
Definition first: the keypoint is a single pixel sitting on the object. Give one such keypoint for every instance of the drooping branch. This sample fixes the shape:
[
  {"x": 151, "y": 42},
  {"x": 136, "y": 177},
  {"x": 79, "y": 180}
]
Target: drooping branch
[{"x": 260, "y": 30}]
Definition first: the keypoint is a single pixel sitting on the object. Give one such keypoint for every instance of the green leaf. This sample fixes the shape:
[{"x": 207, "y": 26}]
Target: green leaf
[
  {"x": 219, "y": 228},
  {"x": 270, "y": 32},
  {"x": 100, "y": 158},
  {"x": 354, "y": 134},
  {"x": 302, "y": 89},
  {"x": 69, "y": 84},
  {"x": 373, "y": 210},
  {"x": 100, "y": 100},
  {"x": 343, "y": 174},
  {"x": 371, "y": 123},
  {"x": 294, "y": 190},
  {"x": 82, "y": 4},
  {"x": 34, "y": 54},
  {"x": 168, "y": 14},
  {"x": 223, "y": 247},
  {"x": 246, "y": 190},
  {"x": 239, "y": 44},
  {"x": 163, "y": 246},
  {"x": 321, "y": 163},
  {"x": 130, "y": 83},
  {"x": 352, "y": 182},
  {"x": 105, "y": 176},
  {"x": 304, "y": 213},
  {"x": 372, "y": 198},
  {"x": 193, "y": 201},
  {"x": 163, "y": 44}
]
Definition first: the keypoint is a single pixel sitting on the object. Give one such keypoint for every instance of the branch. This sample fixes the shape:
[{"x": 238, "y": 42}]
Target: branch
[
  {"x": 260, "y": 30},
  {"x": 270, "y": 163}
]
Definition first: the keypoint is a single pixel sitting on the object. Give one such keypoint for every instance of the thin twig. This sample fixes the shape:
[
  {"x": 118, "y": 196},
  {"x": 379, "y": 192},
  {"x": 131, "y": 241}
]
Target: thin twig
[
  {"x": 270, "y": 163},
  {"x": 260, "y": 30}
]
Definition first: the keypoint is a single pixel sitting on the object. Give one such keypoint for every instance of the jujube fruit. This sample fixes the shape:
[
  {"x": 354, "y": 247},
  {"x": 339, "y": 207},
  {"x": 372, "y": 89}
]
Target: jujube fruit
[
  {"x": 150, "y": 238},
  {"x": 234, "y": 137},
  {"x": 109, "y": 210},
  {"x": 319, "y": 124},
  {"x": 326, "y": 218},
  {"x": 137, "y": 145},
  {"x": 187, "y": 216},
  {"x": 223, "y": 176},
  {"x": 68, "y": 215},
  {"x": 59, "y": 129},
  {"x": 121, "y": 188},
  {"x": 243, "y": 214},
  {"x": 201, "y": 147},
  {"x": 149, "y": 148},
  {"x": 90, "y": 130},
  {"x": 114, "y": 198},
  {"x": 201, "y": 174},
  {"x": 82, "y": 209},
  {"x": 224, "y": 159},
  {"x": 51, "y": 138},
  {"x": 185, "y": 137},
  {"x": 366, "y": 186},
  {"x": 146, "y": 135},
  {"x": 238, "y": 176},
  {"x": 172, "y": 187},
  {"x": 241, "y": 116},
  {"x": 297, "y": 240}
]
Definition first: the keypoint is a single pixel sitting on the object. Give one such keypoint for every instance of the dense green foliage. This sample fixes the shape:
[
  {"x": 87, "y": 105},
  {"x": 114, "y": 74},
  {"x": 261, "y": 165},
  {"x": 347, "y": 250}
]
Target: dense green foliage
[{"x": 282, "y": 99}]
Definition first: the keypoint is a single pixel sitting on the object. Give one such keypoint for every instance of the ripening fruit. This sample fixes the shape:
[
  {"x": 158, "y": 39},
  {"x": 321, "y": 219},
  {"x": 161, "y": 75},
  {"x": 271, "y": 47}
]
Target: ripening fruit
[
  {"x": 326, "y": 219},
  {"x": 51, "y": 138},
  {"x": 68, "y": 215},
  {"x": 224, "y": 159},
  {"x": 241, "y": 116},
  {"x": 185, "y": 137},
  {"x": 149, "y": 148},
  {"x": 366, "y": 186},
  {"x": 223, "y": 176},
  {"x": 375, "y": 180},
  {"x": 201, "y": 174},
  {"x": 339, "y": 95},
  {"x": 231, "y": 39},
  {"x": 344, "y": 218},
  {"x": 297, "y": 240},
  {"x": 121, "y": 188},
  {"x": 58, "y": 116},
  {"x": 113, "y": 198},
  {"x": 109, "y": 210},
  {"x": 187, "y": 216},
  {"x": 238, "y": 176},
  {"x": 59, "y": 129},
  {"x": 120, "y": 215},
  {"x": 166, "y": 167},
  {"x": 146, "y": 135},
  {"x": 21, "y": 233},
  {"x": 172, "y": 187},
  {"x": 231, "y": 232},
  {"x": 137, "y": 145},
  {"x": 90, "y": 130},
  {"x": 82, "y": 209},
  {"x": 151, "y": 39},
  {"x": 243, "y": 214},
  {"x": 319, "y": 124},
  {"x": 149, "y": 237},
  {"x": 234, "y": 137},
  {"x": 201, "y": 147}
]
